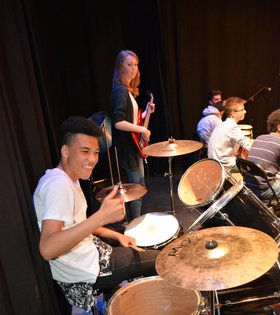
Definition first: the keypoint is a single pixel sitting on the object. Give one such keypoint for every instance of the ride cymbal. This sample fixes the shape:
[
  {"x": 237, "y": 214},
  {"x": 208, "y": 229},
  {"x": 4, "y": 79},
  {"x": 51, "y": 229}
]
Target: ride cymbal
[
  {"x": 217, "y": 258},
  {"x": 172, "y": 147},
  {"x": 129, "y": 192}
]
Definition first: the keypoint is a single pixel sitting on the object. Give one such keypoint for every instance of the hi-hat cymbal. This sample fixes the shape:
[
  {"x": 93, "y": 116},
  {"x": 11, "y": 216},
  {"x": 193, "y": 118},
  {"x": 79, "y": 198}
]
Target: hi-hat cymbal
[
  {"x": 217, "y": 258},
  {"x": 129, "y": 192},
  {"x": 172, "y": 147}
]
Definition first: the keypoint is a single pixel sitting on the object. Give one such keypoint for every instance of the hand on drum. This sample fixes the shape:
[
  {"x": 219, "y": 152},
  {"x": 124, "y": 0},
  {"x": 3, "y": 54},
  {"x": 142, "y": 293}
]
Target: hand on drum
[
  {"x": 112, "y": 207},
  {"x": 127, "y": 241}
]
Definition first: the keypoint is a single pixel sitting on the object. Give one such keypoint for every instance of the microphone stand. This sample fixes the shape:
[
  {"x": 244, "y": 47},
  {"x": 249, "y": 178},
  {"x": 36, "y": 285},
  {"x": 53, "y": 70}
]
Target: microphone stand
[{"x": 251, "y": 98}]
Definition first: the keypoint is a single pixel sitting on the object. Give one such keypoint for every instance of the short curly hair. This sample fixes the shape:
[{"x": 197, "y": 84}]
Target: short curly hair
[
  {"x": 213, "y": 93},
  {"x": 273, "y": 120},
  {"x": 77, "y": 124}
]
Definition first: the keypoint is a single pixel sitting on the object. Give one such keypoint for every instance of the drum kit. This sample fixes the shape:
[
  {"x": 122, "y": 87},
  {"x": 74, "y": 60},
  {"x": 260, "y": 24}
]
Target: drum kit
[
  {"x": 212, "y": 260},
  {"x": 230, "y": 251}
]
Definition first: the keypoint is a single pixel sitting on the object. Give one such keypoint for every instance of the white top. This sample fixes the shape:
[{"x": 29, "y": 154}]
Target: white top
[
  {"x": 225, "y": 141},
  {"x": 57, "y": 197},
  {"x": 135, "y": 108}
]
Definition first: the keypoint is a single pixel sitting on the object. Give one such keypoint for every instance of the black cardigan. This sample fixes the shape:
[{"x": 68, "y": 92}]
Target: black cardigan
[{"x": 122, "y": 109}]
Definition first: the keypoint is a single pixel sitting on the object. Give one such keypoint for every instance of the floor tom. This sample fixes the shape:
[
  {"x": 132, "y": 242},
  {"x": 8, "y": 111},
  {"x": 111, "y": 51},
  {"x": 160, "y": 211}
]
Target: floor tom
[{"x": 153, "y": 295}]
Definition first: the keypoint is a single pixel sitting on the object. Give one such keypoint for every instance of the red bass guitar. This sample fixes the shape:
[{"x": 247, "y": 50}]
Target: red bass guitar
[{"x": 139, "y": 140}]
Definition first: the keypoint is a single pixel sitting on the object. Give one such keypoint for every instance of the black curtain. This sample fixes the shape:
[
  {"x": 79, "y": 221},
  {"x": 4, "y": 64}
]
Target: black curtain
[
  {"x": 26, "y": 284},
  {"x": 186, "y": 48},
  {"x": 57, "y": 59}
]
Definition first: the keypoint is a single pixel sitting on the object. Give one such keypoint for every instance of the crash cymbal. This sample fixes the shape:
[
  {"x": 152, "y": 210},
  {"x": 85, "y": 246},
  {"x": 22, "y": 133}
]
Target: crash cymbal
[
  {"x": 129, "y": 192},
  {"x": 217, "y": 258},
  {"x": 172, "y": 147}
]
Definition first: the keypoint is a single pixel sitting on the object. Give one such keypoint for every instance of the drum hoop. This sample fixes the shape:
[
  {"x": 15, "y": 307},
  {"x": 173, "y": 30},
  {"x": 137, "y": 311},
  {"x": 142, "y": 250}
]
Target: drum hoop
[
  {"x": 216, "y": 206},
  {"x": 146, "y": 279},
  {"x": 209, "y": 199},
  {"x": 158, "y": 246},
  {"x": 163, "y": 243},
  {"x": 245, "y": 127}
]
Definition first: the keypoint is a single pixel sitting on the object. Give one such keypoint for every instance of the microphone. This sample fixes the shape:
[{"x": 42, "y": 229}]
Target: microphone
[{"x": 262, "y": 87}]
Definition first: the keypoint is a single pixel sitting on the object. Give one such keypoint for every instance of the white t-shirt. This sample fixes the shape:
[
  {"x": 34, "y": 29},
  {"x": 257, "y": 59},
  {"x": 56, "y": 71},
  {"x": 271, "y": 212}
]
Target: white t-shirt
[
  {"x": 225, "y": 141},
  {"x": 57, "y": 197},
  {"x": 135, "y": 108}
]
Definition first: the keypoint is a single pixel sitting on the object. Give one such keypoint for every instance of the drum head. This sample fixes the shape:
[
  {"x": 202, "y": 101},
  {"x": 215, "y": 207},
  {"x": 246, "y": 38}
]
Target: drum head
[
  {"x": 153, "y": 295},
  {"x": 152, "y": 228},
  {"x": 201, "y": 183}
]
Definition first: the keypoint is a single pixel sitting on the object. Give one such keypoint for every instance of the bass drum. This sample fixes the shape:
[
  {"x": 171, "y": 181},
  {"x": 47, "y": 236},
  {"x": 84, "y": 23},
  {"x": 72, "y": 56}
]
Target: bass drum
[
  {"x": 261, "y": 296},
  {"x": 154, "y": 296},
  {"x": 154, "y": 230},
  {"x": 241, "y": 207}
]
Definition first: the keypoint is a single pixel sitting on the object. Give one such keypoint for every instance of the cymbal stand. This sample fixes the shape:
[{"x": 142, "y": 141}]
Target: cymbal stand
[
  {"x": 108, "y": 154},
  {"x": 170, "y": 175},
  {"x": 120, "y": 183},
  {"x": 252, "y": 99},
  {"x": 213, "y": 297},
  {"x": 109, "y": 158}
]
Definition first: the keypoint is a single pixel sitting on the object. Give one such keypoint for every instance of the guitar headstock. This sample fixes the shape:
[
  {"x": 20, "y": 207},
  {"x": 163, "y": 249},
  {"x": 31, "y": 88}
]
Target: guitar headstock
[{"x": 150, "y": 95}]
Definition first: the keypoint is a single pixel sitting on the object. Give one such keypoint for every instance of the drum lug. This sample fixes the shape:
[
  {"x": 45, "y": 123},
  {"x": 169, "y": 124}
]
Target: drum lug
[
  {"x": 228, "y": 303},
  {"x": 156, "y": 246},
  {"x": 204, "y": 308},
  {"x": 224, "y": 216},
  {"x": 193, "y": 229},
  {"x": 277, "y": 222}
]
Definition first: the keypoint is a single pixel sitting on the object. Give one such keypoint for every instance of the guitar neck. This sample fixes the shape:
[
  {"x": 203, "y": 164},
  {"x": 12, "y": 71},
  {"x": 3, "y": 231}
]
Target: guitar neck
[{"x": 147, "y": 118}]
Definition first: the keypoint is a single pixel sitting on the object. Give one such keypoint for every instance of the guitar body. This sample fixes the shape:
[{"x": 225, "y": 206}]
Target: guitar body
[
  {"x": 139, "y": 141},
  {"x": 242, "y": 153}
]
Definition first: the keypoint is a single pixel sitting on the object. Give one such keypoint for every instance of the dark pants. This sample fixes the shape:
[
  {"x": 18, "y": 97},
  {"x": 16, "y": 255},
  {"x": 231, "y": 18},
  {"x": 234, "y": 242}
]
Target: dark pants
[{"x": 127, "y": 264}]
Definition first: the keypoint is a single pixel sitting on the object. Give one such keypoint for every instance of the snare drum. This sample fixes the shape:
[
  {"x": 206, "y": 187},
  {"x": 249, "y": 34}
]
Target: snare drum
[
  {"x": 201, "y": 183},
  {"x": 153, "y": 230},
  {"x": 239, "y": 206},
  {"x": 153, "y": 295},
  {"x": 261, "y": 296},
  {"x": 247, "y": 130}
]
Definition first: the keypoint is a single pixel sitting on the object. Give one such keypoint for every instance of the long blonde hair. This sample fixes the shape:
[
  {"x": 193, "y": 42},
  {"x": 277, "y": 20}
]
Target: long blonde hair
[{"x": 118, "y": 73}]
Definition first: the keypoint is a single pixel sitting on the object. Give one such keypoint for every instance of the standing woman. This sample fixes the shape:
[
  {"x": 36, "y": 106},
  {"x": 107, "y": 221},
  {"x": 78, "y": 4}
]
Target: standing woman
[{"x": 126, "y": 79}]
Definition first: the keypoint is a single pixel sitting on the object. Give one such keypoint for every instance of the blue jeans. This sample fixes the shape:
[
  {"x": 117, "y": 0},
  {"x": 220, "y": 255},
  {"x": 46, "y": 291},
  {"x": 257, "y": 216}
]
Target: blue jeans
[
  {"x": 133, "y": 208},
  {"x": 78, "y": 311},
  {"x": 267, "y": 193}
]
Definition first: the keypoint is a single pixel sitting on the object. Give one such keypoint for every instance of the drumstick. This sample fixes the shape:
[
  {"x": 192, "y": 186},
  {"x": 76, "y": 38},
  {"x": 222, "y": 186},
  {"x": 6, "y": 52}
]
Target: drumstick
[{"x": 138, "y": 249}]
